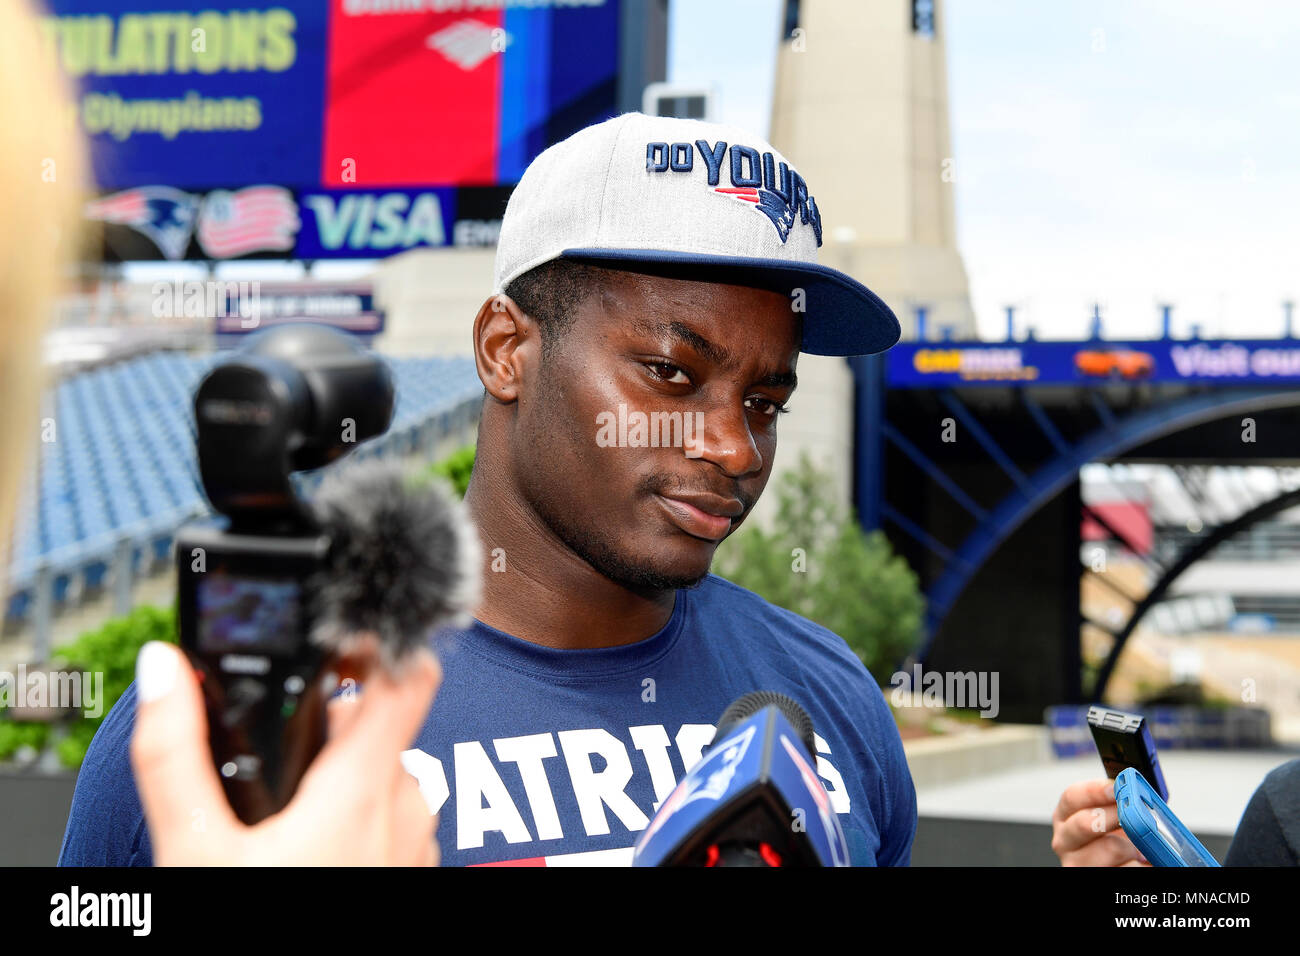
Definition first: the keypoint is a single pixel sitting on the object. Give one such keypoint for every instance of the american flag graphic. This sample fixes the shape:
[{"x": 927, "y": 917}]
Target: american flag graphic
[{"x": 256, "y": 219}]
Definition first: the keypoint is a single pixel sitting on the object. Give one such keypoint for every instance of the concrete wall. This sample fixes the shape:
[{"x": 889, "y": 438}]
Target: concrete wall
[
  {"x": 431, "y": 297},
  {"x": 35, "y": 814},
  {"x": 946, "y": 841}
]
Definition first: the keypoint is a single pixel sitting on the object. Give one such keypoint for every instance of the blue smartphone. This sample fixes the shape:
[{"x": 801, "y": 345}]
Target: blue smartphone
[{"x": 1152, "y": 826}]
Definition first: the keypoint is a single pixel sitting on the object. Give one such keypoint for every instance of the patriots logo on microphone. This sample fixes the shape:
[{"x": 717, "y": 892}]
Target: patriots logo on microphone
[
  {"x": 723, "y": 763},
  {"x": 719, "y": 779},
  {"x": 820, "y": 798},
  {"x": 163, "y": 214}
]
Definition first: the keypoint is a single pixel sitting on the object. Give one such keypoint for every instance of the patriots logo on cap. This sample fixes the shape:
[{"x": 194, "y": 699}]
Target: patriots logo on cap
[
  {"x": 768, "y": 203},
  {"x": 772, "y": 187}
]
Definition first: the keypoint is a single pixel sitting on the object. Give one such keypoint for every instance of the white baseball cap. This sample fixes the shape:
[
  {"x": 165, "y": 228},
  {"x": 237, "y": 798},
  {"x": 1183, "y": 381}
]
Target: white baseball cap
[{"x": 689, "y": 198}]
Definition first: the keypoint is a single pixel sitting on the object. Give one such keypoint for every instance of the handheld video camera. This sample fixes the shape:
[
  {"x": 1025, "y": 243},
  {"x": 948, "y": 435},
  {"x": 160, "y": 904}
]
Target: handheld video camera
[{"x": 297, "y": 397}]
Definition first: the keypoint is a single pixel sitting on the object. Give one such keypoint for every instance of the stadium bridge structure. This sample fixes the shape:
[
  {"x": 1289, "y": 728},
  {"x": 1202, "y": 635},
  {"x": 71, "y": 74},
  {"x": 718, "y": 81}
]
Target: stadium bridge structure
[
  {"x": 968, "y": 458},
  {"x": 117, "y": 473}
]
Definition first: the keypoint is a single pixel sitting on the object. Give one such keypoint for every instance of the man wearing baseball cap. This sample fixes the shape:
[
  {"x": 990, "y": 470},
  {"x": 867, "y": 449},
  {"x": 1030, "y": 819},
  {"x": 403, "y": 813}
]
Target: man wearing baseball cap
[
  {"x": 666, "y": 269},
  {"x": 675, "y": 196}
]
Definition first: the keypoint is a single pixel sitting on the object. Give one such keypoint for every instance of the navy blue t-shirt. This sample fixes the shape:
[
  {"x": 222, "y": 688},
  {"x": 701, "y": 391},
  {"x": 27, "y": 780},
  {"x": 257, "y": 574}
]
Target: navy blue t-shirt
[{"x": 539, "y": 756}]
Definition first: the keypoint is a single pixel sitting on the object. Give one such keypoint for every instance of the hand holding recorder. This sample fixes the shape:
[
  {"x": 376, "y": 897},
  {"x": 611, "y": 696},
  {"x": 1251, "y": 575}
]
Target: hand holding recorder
[
  {"x": 354, "y": 806},
  {"x": 283, "y": 598},
  {"x": 1123, "y": 821}
]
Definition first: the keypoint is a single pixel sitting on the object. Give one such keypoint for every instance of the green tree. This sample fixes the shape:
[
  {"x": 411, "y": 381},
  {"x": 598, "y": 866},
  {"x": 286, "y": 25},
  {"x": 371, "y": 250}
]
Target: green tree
[
  {"x": 15, "y": 735},
  {"x": 456, "y": 468},
  {"x": 815, "y": 560},
  {"x": 112, "y": 650}
]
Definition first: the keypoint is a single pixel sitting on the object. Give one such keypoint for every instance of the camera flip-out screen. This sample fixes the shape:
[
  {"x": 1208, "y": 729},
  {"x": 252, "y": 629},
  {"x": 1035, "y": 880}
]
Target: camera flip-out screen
[{"x": 247, "y": 614}]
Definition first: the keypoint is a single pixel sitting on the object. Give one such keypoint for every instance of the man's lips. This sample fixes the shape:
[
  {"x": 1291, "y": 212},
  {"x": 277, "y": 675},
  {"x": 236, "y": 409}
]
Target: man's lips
[{"x": 704, "y": 516}]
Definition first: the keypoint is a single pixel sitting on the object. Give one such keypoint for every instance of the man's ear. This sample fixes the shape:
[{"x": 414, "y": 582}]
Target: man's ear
[{"x": 507, "y": 343}]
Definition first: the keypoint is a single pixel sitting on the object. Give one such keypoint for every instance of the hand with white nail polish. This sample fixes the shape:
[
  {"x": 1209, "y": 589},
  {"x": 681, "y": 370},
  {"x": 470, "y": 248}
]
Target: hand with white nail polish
[{"x": 355, "y": 805}]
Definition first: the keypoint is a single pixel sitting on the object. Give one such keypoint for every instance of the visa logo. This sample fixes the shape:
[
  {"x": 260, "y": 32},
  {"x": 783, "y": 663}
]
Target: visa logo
[{"x": 364, "y": 221}]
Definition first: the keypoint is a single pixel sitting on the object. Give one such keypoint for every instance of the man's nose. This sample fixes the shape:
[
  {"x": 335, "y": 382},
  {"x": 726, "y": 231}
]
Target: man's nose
[{"x": 722, "y": 436}]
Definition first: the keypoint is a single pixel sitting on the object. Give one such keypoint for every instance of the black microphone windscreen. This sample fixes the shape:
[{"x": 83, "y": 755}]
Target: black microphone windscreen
[
  {"x": 745, "y": 707},
  {"x": 404, "y": 558}
]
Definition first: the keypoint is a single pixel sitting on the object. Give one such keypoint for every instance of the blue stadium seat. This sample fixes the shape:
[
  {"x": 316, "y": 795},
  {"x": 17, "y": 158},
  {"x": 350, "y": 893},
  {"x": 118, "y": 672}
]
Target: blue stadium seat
[{"x": 123, "y": 462}]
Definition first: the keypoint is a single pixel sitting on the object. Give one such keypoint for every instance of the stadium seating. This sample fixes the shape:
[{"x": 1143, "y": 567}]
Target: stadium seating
[{"x": 117, "y": 465}]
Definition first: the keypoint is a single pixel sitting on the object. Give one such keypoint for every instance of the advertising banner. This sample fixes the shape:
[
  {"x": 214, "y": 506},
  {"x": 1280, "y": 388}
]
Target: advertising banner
[
  {"x": 222, "y": 96},
  {"x": 324, "y": 128},
  {"x": 1218, "y": 362}
]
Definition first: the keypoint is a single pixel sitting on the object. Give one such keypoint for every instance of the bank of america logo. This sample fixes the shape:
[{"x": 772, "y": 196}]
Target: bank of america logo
[{"x": 467, "y": 43}]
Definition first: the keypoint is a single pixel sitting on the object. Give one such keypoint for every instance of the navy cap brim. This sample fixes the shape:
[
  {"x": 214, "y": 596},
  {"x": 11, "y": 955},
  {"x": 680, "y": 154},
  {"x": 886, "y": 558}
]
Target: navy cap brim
[{"x": 841, "y": 316}]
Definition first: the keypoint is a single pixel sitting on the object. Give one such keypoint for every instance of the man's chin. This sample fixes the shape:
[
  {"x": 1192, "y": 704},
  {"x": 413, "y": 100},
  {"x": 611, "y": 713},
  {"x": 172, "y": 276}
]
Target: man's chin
[
  {"x": 635, "y": 573},
  {"x": 649, "y": 578},
  {"x": 672, "y": 565}
]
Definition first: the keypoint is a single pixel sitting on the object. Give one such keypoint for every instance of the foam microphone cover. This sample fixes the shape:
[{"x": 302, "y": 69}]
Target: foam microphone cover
[{"x": 404, "y": 558}]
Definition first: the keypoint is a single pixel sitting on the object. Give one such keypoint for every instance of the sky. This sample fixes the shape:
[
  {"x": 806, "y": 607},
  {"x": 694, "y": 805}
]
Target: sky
[{"x": 1121, "y": 153}]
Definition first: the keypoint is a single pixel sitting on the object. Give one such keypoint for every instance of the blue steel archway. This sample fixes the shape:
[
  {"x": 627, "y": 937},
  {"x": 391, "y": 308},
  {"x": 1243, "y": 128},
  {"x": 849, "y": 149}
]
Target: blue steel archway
[
  {"x": 1030, "y": 491},
  {"x": 1190, "y": 556}
]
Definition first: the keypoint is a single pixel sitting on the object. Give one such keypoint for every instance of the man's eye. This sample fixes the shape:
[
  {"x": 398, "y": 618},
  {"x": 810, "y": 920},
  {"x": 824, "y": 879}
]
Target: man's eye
[
  {"x": 670, "y": 373},
  {"x": 766, "y": 406}
]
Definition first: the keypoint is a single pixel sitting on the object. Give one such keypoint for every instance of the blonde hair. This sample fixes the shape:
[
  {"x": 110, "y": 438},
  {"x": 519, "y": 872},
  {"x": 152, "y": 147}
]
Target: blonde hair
[{"x": 42, "y": 188}]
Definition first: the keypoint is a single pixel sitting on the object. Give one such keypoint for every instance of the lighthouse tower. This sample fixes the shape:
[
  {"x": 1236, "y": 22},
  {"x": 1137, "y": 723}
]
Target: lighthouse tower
[{"x": 861, "y": 108}]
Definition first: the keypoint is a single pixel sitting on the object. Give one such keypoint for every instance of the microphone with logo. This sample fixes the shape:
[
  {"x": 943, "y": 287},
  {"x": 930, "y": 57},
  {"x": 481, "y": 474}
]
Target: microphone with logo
[{"x": 754, "y": 798}]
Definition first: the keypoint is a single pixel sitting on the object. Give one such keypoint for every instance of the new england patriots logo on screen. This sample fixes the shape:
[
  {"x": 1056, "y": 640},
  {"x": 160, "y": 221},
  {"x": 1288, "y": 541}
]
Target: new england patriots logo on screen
[
  {"x": 164, "y": 214},
  {"x": 772, "y": 188},
  {"x": 226, "y": 224}
]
